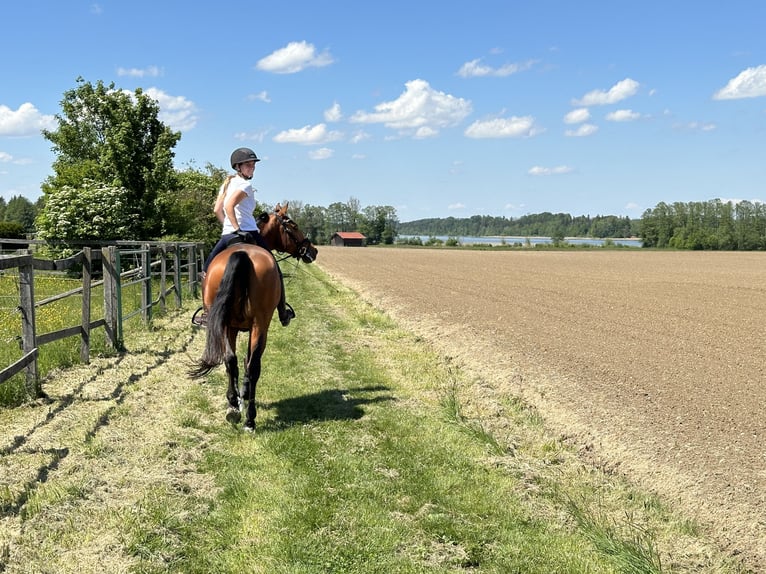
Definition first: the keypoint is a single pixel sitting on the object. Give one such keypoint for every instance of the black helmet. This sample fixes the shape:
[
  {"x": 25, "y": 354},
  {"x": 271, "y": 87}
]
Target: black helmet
[{"x": 241, "y": 155}]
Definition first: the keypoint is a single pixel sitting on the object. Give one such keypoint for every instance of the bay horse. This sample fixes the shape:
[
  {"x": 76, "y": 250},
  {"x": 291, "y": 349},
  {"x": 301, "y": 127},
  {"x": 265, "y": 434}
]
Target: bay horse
[{"x": 241, "y": 290}]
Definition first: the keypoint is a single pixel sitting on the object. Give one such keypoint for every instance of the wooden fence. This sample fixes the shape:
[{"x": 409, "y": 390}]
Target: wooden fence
[{"x": 143, "y": 262}]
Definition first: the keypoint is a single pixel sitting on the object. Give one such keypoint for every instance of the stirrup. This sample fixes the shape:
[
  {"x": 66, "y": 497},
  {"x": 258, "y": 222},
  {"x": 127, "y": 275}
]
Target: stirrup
[
  {"x": 199, "y": 319},
  {"x": 287, "y": 316}
]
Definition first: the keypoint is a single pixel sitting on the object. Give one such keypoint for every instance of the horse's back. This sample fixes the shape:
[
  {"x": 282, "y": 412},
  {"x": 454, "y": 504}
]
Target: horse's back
[{"x": 264, "y": 281}]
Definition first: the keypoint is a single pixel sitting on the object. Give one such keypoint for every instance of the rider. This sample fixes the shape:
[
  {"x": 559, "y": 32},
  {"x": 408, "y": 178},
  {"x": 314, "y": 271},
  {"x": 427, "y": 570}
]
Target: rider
[{"x": 234, "y": 208}]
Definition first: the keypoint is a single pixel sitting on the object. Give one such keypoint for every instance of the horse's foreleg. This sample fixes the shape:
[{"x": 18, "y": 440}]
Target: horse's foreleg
[{"x": 253, "y": 369}]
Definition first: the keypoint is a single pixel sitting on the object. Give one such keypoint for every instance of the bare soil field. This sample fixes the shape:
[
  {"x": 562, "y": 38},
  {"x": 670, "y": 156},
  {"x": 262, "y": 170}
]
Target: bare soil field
[{"x": 650, "y": 363}]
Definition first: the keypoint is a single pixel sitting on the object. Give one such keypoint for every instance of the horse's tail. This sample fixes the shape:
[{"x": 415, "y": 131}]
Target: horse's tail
[{"x": 229, "y": 303}]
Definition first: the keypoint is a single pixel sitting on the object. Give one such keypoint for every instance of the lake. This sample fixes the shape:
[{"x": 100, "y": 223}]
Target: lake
[{"x": 510, "y": 240}]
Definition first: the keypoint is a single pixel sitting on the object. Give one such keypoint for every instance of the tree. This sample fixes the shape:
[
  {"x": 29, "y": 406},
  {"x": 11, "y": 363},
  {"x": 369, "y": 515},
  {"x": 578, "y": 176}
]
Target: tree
[
  {"x": 114, "y": 138},
  {"x": 22, "y": 211},
  {"x": 90, "y": 211},
  {"x": 188, "y": 210}
]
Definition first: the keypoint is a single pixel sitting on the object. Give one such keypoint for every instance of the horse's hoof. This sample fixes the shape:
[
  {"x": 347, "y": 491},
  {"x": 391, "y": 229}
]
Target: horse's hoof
[
  {"x": 248, "y": 428},
  {"x": 233, "y": 415}
]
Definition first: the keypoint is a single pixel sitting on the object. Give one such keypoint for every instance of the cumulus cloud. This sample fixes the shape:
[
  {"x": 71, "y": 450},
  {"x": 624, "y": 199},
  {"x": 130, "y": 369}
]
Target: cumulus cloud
[
  {"x": 475, "y": 69},
  {"x": 558, "y": 170},
  {"x": 308, "y": 135},
  {"x": 177, "y": 112},
  {"x": 695, "y": 126},
  {"x": 621, "y": 90},
  {"x": 577, "y": 116},
  {"x": 456, "y": 206},
  {"x": 294, "y": 57},
  {"x": 513, "y": 127},
  {"x": 333, "y": 114},
  {"x": 151, "y": 71},
  {"x": 749, "y": 83},
  {"x": 582, "y": 131},
  {"x": 25, "y": 121},
  {"x": 420, "y": 111},
  {"x": 622, "y": 116}
]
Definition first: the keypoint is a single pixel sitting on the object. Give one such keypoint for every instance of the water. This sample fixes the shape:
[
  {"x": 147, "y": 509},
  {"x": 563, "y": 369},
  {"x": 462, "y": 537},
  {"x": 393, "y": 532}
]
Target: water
[{"x": 510, "y": 240}]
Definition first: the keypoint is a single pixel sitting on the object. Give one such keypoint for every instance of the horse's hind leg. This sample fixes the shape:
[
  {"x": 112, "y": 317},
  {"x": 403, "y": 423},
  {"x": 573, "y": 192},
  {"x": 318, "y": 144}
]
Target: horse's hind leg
[
  {"x": 232, "y": 392},
  {"x": 253, "y": 369}
]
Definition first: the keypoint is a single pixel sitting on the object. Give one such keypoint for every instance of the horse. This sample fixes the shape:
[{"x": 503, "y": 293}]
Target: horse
[{"x": 241, "y": 290}]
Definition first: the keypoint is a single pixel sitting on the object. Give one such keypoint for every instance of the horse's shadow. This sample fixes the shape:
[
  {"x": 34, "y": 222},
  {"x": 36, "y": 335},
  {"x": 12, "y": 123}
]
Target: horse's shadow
[{"x": 327, "y": 405}]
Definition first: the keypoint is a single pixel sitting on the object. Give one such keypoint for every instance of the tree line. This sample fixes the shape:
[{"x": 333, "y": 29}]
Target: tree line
[
  {"x": 557, "y": 225},
  {"x": 711, "y": 225}
]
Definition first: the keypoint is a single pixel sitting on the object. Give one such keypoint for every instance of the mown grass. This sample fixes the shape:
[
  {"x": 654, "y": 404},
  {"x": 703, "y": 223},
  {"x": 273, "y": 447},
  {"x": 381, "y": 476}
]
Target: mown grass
[
  {"x": 54, "y": 316},
  {"x": 367, "y": 459}
]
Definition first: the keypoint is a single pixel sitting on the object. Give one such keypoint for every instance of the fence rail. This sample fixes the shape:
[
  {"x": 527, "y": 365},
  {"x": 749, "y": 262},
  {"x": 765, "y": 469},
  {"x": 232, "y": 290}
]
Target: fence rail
[{"x": 151, "y": 263}]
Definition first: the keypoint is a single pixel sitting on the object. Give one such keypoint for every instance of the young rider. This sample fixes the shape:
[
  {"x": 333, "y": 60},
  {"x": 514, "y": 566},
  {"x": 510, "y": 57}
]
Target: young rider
[{"x": 234, "y": 208}]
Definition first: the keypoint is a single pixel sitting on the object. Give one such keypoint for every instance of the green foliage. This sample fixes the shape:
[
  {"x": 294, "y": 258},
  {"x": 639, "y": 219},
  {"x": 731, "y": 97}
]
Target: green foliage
[
  {"x": 541, "y": 224},
  {"x": 11, "y": 230},
  {"x": 188, "y": 210},
  {"x": 20, "y": 210},
  {"x": 705, "y": 225},
  {"x": 114, "y": 138},
  {"x": 90, "y": 211}
]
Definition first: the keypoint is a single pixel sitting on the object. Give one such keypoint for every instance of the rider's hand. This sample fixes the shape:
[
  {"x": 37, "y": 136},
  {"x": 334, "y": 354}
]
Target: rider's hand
[{"x": 245, "y": 236}]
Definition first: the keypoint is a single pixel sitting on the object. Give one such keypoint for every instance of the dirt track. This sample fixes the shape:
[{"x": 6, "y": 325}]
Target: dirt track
[{"x": 652, "y": 363}]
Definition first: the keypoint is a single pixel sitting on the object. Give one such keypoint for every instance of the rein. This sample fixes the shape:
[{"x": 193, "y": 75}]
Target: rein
[{"x": 302, "y": 246}]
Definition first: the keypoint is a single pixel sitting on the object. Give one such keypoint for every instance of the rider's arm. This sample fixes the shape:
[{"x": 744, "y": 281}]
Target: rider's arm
[{"x": 232, "y": 199}]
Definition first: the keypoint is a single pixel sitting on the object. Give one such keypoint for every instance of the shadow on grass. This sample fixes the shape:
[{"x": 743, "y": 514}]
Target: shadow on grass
[{"x": 327, "y": 405}]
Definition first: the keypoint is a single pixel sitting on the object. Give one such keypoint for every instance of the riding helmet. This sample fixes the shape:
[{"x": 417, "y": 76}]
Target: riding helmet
[{"x": 241, "y": 155}]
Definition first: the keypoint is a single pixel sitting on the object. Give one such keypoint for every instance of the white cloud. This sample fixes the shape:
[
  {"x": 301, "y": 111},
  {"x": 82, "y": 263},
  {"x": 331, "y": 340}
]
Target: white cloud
[
  {"x": 582, "y": 131},
  {"x": 308, "y": 135},
  {"x": 577, "y": 116},
  {"x": 456, "y": 206},
  {"x": 359, "y": 136},
  {"x": 621, "y": 90},
  {"x": 749, "y": 83},
  {"x": 695, "y": 126},
  {"x": 558, "y": 170},
  {"x": 176, "y": 111},
  {"x": 252, "y": 136},
  {"x": 475, "y": 69},
  {"x": 632, "y": 206},
  {"x": 333, "y": 114},
  {"x": 321, "y": 153},
  {"x": 260, "y": 96},
  {"x": 5, "y": 157},
  {"x": 512, "y": 127},
  {"x": 151, "y": 71},
  {"x": 420, "y": 111},
  {"x": 294, "y": 57},
  {"x": 26, "y": 121},
  {"x": 622, "y": 116}
]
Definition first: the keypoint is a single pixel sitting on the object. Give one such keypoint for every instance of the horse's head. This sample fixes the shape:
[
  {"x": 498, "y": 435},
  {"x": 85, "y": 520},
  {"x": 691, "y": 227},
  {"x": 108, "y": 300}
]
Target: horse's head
[{"x": 282, "y": 234}]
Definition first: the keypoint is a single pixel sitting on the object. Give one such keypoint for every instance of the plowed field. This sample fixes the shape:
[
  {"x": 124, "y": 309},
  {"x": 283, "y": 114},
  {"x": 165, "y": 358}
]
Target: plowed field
[{"x": 652, "y": 364}]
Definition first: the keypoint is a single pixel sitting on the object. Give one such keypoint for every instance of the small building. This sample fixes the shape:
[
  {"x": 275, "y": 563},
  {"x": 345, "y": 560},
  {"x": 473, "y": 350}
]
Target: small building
[{"x": 348, "y": 239}]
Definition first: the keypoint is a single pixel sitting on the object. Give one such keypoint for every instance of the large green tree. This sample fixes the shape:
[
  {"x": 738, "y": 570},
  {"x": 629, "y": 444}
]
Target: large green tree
[{"x": 114, "y": 138}]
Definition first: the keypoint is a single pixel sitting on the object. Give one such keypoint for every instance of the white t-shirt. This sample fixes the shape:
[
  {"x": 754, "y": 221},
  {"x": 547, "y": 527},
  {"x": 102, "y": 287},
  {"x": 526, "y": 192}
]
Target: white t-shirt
[{"x": 244, "y": 210}]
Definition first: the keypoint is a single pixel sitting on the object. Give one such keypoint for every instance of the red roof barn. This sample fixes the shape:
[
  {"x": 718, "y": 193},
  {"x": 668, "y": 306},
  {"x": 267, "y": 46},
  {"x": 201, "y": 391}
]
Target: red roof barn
[{"x": 347, "y": 239}]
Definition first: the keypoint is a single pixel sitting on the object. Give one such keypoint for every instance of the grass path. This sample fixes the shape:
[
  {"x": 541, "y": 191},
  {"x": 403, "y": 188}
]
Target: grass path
[{"x": 372, "y": 454}]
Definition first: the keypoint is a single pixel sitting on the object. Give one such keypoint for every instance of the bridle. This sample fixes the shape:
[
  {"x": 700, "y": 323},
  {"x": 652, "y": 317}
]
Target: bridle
[{"x": 302, "y": 246}]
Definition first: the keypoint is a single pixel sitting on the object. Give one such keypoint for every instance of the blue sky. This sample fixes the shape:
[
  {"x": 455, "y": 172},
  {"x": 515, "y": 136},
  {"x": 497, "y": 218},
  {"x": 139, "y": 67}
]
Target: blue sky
[{"x": 435, "y": 108}]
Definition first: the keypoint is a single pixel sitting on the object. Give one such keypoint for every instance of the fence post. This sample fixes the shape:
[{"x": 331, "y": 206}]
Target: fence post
[
  {"x": 146, "y": 291},
  {"x": 111, "y": 287},
  {"x": 193, "y": 270},
  {"x": 27, "y": 308},
  {"x": 85, "y": 333},
  {"x": 177, "y": 273},
  {"x": 163, "y": 271}
]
